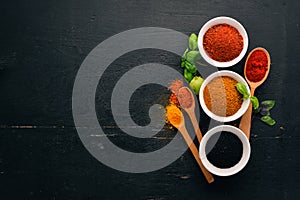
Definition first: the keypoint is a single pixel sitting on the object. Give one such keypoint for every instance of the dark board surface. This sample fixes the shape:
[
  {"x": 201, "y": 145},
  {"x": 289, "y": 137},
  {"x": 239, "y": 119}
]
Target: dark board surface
[{"x": 43, "y": 44}]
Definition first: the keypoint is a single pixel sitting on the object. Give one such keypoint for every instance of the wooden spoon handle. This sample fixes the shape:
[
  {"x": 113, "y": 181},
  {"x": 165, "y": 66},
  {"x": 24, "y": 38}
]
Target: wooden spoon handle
[
  {"x": 195, "y": 153},
  {"x": 196, "y": 126},
  {"x": 245, "y": 123}
]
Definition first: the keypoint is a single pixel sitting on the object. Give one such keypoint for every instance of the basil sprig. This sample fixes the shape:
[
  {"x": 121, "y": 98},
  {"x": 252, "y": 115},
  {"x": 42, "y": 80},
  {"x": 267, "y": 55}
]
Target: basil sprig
[
  {"x": 191, "y": 58},
  {"x": 262, "y": 108},
  {"x": 243, "y": 90}
]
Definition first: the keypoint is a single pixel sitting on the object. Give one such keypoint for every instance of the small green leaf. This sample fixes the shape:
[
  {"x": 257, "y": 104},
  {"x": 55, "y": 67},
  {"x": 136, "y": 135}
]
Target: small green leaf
[
  {"x": 243, "y": 90},
  {"x": 268, "y": 104},
  {"x": 257, "y": 110},
  {"x": 193, "y": 36},
  {"x": 193, "y": 56},
  {"x": 188, "y": 75},
  {"x": 264, "y": 112},
  {"x": 183, "y": 57},
  {"x": 182, "y": 64},
  {"x": 190, "y": 67},
  {"x": 255, "y": 102},
  {"x": 193, "y": 44},
  {"x": 268, "y": 120}
]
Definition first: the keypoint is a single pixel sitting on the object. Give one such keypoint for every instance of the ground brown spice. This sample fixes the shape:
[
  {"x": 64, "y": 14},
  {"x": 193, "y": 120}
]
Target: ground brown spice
[
  {"x": 175, "y": 86},
  {"x": 221, "y": 96},
  {"x": 185, "y": 98}
]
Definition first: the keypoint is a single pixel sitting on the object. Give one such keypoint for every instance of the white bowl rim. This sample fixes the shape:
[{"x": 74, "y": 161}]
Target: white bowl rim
[
  {"x": 223, "y": 20},
  {"x": 244, "y": 105},
  {"x": 225, "y": 171}
]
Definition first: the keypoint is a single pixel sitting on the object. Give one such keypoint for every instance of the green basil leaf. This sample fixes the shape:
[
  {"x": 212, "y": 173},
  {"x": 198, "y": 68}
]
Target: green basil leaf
[
  {"x": 183, "y": 57},
  {"x": 190, "y": 67},
  {"x": 268, "y": 120},
  {"x": 193, "y": 36},
  {"x": 193, "y": 44},
  {"x": 243, "y": 90},
  {"x": 268, "y": 104},
  {"x": 255, "y": 102},
  {"x": 193, "y": 56},
  {"x": 264, "y": 112},
  {"x": 257, "y": 110},
  {"x": 182, "y": 64},
  {"x": 188, "y": 75}
]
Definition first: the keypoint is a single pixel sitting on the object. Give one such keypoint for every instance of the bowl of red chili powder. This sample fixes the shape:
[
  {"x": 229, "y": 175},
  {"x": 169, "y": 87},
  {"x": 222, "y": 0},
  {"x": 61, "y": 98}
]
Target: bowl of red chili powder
[{"x": 223, "y": 42}]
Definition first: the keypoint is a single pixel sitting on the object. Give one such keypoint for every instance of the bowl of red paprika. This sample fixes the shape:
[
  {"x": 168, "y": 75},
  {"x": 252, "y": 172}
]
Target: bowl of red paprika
[{"x": 223, "y": 42}]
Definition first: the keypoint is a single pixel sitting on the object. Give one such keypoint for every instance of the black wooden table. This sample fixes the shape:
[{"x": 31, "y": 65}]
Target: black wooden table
[{"x": 43, "y": 44}]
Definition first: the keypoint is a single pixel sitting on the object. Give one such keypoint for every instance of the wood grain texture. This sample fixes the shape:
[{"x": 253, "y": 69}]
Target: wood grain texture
[
  {"x": 208, "y": 176},
  {"x": 43, "y": 44},
  {"x": 246, "y": 119}
]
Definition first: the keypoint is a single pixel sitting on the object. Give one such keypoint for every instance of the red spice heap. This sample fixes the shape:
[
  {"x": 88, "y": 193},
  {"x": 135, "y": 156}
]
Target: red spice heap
[
  {"x": 185, "y": 98},
  {"x": 257, "y": 66},
  {"x": 175, "y": 86},
  {"x": 173, "y": 100},
  {"x": 223, "y": 42}
]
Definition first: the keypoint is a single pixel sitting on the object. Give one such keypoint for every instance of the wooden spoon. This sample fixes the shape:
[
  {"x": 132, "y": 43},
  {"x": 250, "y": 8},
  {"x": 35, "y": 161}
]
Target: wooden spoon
[
  {"x": 193, "y": 148},
  {"x": 190, "y": 110},
  {"x": 245, "y": 123}
]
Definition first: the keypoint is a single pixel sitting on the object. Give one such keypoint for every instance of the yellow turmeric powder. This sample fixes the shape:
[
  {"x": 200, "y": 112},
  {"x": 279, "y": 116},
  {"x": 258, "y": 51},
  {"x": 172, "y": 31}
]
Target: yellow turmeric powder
[{"x": 174, "y": 115}]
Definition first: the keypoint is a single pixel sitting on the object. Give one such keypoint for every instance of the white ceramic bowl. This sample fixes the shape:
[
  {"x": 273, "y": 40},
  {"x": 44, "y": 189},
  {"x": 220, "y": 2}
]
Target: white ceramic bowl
[
  {"x": 231, "y": 22},
  {"x": 245, "y": 103},
  {"x": 225, "y": 171}
]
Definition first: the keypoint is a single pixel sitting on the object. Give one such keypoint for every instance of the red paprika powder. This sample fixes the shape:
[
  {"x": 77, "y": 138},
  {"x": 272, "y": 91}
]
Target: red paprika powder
[
  {"x": 223, "y": 42},
  {"x": 173, "y": 100},
  {"x": 257, "y": 66}
]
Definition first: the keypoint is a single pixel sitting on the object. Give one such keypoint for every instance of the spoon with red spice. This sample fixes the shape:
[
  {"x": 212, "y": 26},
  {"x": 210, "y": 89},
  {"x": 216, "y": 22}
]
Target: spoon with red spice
[
  {"x": 187, "y": 102},
  {"x": 256, "y": 71}
]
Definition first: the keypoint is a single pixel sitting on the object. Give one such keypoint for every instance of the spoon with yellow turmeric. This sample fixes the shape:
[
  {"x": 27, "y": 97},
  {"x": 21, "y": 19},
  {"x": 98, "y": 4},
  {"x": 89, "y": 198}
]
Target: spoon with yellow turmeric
[{"x": 175, "y": 117}]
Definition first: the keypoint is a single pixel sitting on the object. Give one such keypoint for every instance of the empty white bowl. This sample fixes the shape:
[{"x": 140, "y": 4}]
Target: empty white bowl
[
  {"x": 225, "y": 171},
  {"x": 244, "y": 105},
  {"x": 231, "y": 22}
]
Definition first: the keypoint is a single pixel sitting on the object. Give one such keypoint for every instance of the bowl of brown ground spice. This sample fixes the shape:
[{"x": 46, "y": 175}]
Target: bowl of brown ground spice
[{"x": 219, "y": 97}]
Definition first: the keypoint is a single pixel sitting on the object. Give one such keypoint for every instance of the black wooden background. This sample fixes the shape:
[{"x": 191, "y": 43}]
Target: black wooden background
[{"x": 42, "y": 45}]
